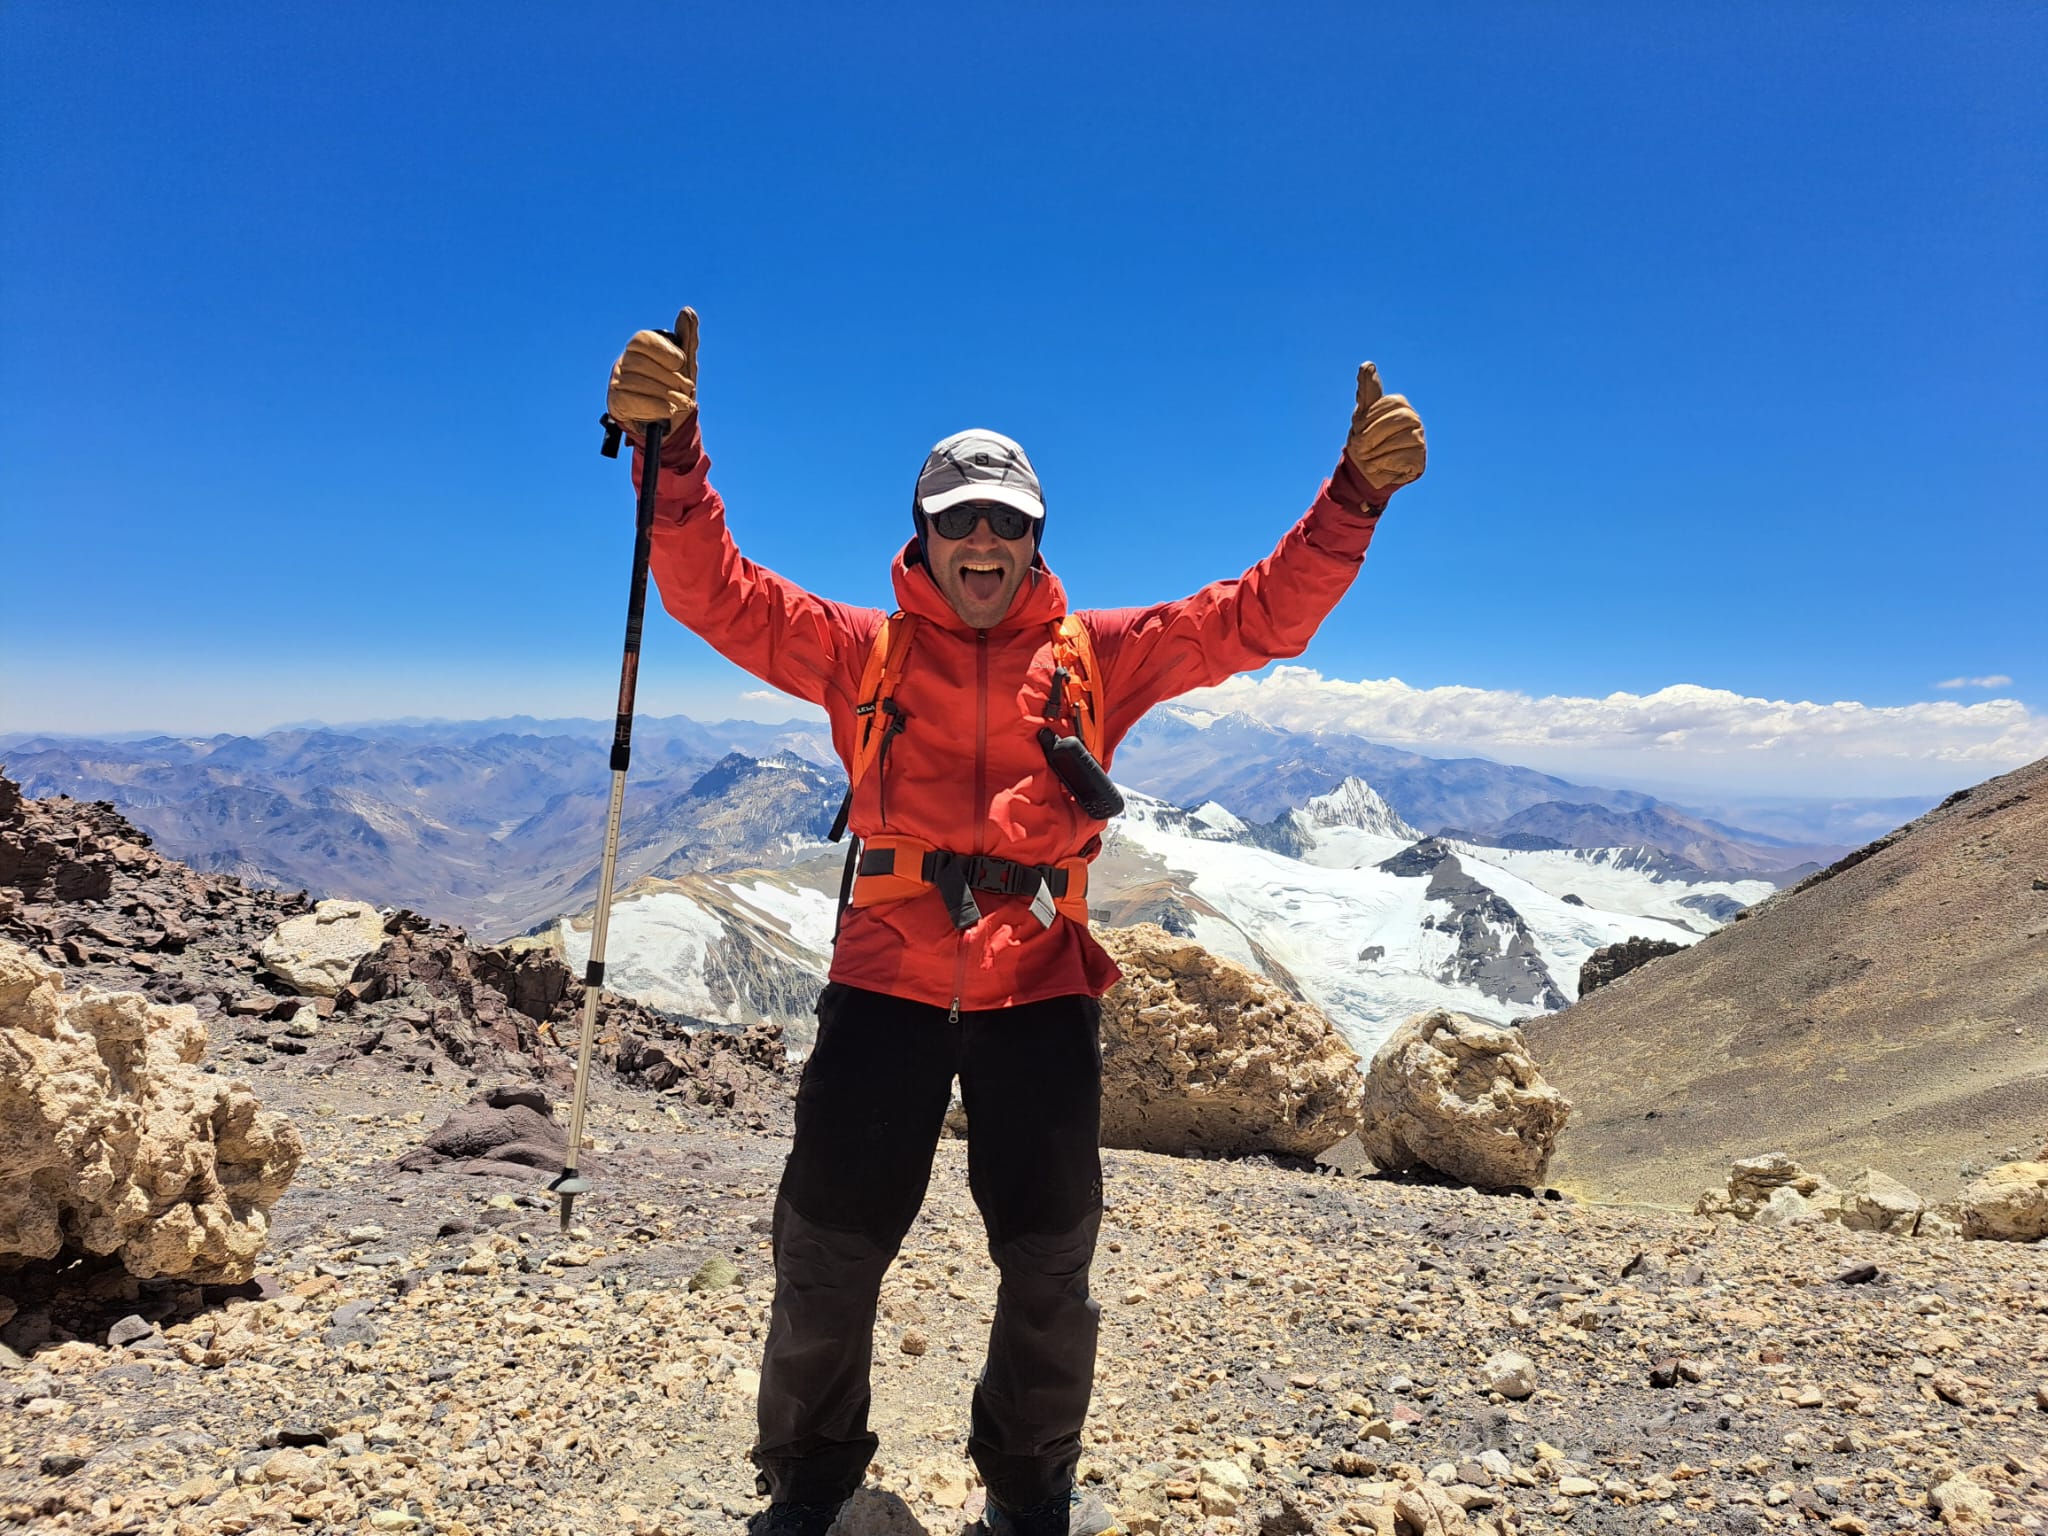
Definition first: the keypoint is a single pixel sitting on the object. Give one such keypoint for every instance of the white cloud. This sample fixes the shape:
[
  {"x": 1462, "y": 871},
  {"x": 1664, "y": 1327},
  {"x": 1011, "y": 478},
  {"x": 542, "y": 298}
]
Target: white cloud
[
  {"x": 763, "y": 696},
  {"x": 1680, "y": 733},
  {"x": 1995, "y": 680}
]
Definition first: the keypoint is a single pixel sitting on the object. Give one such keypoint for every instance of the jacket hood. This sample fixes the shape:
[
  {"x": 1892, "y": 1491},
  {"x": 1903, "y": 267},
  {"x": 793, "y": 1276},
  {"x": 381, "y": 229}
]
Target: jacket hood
[{"x": 1039, "y": 601}]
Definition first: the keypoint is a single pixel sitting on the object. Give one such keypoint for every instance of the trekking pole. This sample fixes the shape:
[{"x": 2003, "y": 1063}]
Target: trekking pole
[{"x": 570, "y": 1184}]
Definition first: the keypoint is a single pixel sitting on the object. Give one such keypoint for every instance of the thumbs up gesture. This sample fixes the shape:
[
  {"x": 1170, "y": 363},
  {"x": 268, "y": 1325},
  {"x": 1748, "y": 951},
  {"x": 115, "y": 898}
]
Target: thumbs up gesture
[
  {"x": 655, "y": 378},
  {"x": 1386, "y": 448}
]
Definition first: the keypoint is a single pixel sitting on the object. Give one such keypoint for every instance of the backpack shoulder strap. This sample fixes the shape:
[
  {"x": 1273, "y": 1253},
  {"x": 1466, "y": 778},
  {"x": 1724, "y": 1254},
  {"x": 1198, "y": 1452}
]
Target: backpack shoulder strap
[
  {"x": 877, "y": 687},
  {"x": 1074, "y": 649}
]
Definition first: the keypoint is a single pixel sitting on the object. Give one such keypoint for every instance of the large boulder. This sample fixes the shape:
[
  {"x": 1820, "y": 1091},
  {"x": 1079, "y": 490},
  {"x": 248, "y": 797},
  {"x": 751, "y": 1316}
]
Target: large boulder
[
  {"x": 112, "y": 1141},
  {"x": 1461, "y": 1096},
  {"x": 1201, "y": 1055},
  {"x": 315, "y": 955},
  {"x": 1773, "y": 1190},
  {"x": 508, "y": 1130},
  {"x": 1875, "y": 1202},
  {"x": 1752, "y": 1181},
  {"x": 2009, "y": 1204}
]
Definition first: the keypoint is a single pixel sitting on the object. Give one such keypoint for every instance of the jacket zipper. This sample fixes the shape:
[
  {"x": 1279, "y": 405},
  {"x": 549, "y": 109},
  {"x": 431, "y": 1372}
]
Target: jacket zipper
[{"x": 980, "y": 799}]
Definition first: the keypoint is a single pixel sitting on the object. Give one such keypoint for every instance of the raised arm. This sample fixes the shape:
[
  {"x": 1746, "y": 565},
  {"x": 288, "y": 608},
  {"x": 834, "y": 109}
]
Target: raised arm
[
  {"x": 1274, "y": 609},
  {"x": 799, "y": 642}
]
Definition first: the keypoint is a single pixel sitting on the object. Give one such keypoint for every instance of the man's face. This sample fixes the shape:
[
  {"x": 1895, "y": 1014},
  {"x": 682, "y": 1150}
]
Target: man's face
[{"x": 980, "y": 573}]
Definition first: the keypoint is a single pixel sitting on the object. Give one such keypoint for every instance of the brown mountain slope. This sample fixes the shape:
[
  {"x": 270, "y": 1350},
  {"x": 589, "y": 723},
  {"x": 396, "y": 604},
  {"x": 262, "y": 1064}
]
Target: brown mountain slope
[{"x": 1891, "y": 1013}]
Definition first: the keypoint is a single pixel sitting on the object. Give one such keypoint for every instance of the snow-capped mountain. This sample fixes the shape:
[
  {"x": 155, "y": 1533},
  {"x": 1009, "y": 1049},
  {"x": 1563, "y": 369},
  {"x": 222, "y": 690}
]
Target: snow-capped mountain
[
  {"x": 1338, "y": 900},
  {"x": 496, "y": 825},
  {"x": 1305, "y": 858},
  {"x": 1356, "y": 806},
  {"x": 722, "y": 949},
  {"x": 1258, "y": 771},
  {"x": 1372, "y": 924}
]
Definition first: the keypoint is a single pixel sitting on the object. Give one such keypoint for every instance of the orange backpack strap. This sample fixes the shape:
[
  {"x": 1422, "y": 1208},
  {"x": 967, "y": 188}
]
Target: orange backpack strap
[
  {"x": 1074, "y": 649},
  {"x": 876, "y": 706},
  {"x": 876, "y": 709}
]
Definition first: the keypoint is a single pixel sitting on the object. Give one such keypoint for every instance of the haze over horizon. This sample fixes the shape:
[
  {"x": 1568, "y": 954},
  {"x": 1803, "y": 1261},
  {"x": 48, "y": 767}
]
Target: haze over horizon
[{"x": 1844, "y": 751}]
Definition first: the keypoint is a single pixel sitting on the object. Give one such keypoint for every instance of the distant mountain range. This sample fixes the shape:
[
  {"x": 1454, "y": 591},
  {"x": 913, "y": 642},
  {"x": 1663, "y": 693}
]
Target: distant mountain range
[
  {"x": 1256, "y": 771},
  {"x": 1371, "y": 881},
  {"x": 496, "y": 824}
]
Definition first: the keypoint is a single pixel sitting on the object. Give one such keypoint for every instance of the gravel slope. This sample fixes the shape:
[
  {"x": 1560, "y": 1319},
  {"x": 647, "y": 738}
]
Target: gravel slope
[{"x": 1282, "y": 1351}]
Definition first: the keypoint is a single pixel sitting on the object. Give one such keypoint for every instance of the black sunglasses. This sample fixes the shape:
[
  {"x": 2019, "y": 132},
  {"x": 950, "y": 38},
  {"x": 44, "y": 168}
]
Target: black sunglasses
[{"x": 958, "y": 521}]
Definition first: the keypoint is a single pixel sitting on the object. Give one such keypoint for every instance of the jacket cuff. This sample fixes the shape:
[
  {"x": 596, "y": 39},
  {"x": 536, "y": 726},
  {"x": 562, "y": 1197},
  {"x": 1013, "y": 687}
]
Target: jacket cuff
[
  {"x": 1349, "y": 488},
  {"x": 680, "y": 491}
]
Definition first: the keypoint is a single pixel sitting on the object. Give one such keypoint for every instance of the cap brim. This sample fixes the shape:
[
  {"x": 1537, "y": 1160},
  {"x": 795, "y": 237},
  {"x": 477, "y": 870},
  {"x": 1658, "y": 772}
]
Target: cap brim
[{"x": 1005, "y": 495}]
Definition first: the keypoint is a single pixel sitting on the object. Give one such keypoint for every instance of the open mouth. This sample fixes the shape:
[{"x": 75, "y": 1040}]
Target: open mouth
[{"x": 981, "y": 582}]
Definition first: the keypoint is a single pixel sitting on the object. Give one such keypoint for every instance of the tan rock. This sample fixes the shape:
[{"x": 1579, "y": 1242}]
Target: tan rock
[
  {"x": 1200, "y": 1055},
  {"x": 943, "y": 1483},
  {"x": 1221, "y": 1487},
  {"x": 1944, "y": 1220},
  {"x": 1454, "y": 1093},
  {"x": 1753, "y": 1181},
  {"x": 1786, "y": 1207},
  {"x": 1963, "y": 1505},
  {"x": 316, "y": 954},
  {"x": 1875, "y": 1202},
  {"x": 1429, "y": 1510},
  {"x": 2009, "y": 1204},
  {"x": 1509, "y": 1373},
  {"x": 113, "y": 1142}
]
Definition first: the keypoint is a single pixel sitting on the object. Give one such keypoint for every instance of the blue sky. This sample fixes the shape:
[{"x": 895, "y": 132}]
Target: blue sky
[{"x": 1728, "y": 328}]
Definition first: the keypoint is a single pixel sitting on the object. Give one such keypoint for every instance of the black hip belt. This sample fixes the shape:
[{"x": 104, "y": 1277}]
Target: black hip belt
[{"x": 893, "y": 868}]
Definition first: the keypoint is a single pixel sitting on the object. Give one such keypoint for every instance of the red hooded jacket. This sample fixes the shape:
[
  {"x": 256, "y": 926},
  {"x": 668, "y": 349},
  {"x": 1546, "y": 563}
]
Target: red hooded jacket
[{"x": 967, "y": 772}]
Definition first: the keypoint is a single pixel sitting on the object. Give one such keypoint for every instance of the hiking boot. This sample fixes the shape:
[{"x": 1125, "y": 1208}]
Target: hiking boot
[
  {"x": 1073, "y": 1513},
  {"x": 787, "y": 1519}
]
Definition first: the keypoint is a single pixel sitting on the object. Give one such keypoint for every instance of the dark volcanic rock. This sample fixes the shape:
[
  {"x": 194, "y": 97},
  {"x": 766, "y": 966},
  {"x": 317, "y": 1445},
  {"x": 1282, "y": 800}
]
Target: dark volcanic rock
[
  {"x": 85, "y": 891},
  {"x": 1419, "y": 860},
  {"x": 1616, "y": 960},
  {"x": 1714, "y": 906},
  {"x": 502, "y": 1129},
  {"x": 1496, "y": 952},
  {"x": 520, "y": 1009}
]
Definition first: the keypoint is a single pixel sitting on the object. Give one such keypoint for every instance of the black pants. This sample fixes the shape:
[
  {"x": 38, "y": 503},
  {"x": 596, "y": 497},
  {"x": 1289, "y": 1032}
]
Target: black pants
[{"x": 869, "y": 1113}]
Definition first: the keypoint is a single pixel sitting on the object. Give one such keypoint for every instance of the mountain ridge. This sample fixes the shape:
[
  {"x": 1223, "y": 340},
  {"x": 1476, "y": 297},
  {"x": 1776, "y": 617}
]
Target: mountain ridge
[
  {"x": 1895, "y": 1003},
  {"x": 499, "y": 831}
]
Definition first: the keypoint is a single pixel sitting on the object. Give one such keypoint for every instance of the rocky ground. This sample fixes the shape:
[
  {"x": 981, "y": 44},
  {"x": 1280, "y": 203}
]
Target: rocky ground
[
  {"x": 82, "y": 889},
  {"x": 1284, "y": 1351}
]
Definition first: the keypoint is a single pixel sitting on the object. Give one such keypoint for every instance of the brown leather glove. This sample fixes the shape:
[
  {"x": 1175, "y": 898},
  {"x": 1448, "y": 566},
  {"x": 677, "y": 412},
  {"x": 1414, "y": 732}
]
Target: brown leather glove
[
  {"x": 1386, "y": 449},
  {"x": 655, "y": 379}
]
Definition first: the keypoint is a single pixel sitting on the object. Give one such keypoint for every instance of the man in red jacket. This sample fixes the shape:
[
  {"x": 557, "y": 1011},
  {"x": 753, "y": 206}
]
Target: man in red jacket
[{"x": 965, "y": 951}]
